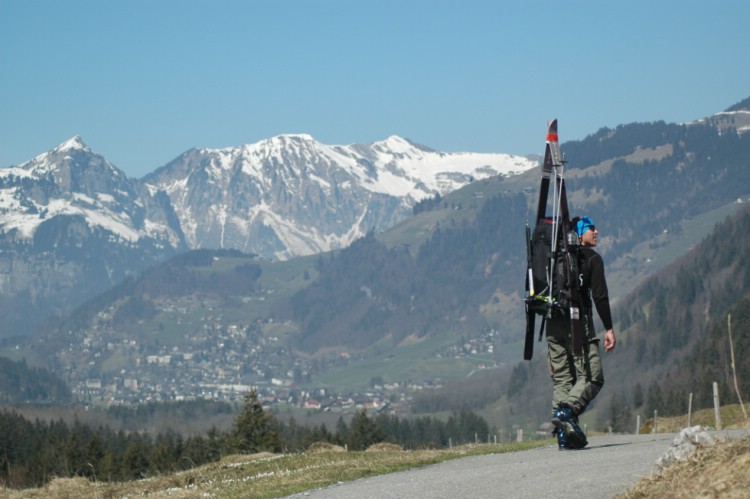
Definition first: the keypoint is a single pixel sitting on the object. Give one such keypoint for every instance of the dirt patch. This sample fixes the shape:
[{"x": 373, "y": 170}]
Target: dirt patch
[{"x": 325, "y": 447}]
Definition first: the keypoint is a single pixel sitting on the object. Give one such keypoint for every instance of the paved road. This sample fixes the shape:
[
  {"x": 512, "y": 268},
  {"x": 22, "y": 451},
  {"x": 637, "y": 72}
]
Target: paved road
[{"x": 610, "y": 465}]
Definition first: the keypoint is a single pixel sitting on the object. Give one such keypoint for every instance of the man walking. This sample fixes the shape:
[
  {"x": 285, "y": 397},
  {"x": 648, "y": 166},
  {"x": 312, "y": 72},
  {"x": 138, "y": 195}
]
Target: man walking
[{"x": 577, "y": 380}]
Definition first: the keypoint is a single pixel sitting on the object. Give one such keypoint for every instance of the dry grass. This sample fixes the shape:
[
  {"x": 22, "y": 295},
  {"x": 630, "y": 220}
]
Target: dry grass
[
  {"x": 731, "y": 417},
  {"x": 325, "y": 447},
  {"x": 384, "y": 447},
  {"x": 722, "y": 470},
  {"x": 264, "y": 475},
  {"x": 719, "y": 471}
]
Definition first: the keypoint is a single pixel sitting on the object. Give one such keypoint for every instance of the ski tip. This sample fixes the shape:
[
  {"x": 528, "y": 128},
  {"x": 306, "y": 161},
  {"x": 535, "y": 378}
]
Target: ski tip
[{"x": 552, "y": 130}]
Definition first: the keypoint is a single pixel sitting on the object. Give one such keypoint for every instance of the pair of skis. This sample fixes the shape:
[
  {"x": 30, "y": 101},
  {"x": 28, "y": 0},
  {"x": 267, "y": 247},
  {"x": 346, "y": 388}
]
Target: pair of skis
[{"x": 552, "y": 173}]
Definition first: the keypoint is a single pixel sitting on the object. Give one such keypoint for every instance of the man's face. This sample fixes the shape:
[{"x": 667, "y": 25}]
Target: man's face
[{"x": 589, "y": 237}]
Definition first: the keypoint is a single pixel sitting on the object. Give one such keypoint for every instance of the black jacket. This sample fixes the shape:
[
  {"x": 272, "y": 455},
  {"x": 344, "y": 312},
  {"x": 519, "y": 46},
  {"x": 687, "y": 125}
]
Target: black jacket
[{"x": 594, "y": 285}]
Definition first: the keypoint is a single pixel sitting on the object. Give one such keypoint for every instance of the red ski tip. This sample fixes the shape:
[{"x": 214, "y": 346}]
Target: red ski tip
[{"x": 551, "y": 137}]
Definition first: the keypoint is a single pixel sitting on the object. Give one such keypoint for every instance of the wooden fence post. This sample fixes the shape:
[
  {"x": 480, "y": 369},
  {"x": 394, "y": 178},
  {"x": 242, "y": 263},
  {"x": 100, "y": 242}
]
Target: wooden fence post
[{"x": 717, "y": 406}]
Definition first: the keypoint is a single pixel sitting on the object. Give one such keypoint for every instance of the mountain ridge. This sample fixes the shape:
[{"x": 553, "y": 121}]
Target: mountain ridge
[
  {"x": 304, "y": 202},
  {"x": 291, "y": 195}
]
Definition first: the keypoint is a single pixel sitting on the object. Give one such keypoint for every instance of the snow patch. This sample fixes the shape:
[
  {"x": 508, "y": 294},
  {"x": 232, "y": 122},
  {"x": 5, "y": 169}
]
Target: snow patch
[{"x": 75, "y": 143}]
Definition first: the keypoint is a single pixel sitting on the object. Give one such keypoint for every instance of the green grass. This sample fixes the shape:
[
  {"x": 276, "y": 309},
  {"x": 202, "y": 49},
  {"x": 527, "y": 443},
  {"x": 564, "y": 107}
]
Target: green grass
[
  {"x": 288, "y": 277},
  {"x": 693, "y": 232},
  {"x": 410, "y": 361},
  {"x": 119, "y": 359},
  {"x": 278, "y": 279}
]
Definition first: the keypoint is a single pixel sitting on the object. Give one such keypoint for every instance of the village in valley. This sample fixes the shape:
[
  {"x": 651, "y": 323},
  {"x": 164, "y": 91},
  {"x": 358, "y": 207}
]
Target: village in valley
[{"x": 222, "y": 361}]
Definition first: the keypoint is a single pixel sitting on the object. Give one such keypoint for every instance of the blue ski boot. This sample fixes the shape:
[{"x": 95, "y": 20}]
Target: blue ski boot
[
  {"x": 566, "y": 423},
  {"x": 562, "y": 439}
]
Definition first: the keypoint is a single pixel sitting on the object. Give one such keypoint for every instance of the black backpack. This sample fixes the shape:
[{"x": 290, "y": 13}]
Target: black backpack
[
  {"x": 552, "y": 281},
  {"x": 553, "y": 287}
]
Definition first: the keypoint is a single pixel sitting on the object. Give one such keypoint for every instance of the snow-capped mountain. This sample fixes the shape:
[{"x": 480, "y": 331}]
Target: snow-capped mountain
[
  {"x": 70, "y": 180},
  {"x": 290, "y": 195},
  {"x": 73, "y": 225}
]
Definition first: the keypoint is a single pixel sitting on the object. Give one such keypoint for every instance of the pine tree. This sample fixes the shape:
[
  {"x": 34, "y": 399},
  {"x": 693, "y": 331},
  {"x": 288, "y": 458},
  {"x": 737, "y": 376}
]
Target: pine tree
[
  {"x": 255, "y": 430},
  {"x": 342, "y": 431},
  {"x": 195, "y": 452},
  {"x": 135, "y": 458},
  {"x": 162, "y": 457},
  {"x": 364, "y": 432},
  {"x": 653, "y": 398},
  {"x": 618, "y": 413},
  {"x": 637, "y": 395},
  {"x": 93, "y": 456}
]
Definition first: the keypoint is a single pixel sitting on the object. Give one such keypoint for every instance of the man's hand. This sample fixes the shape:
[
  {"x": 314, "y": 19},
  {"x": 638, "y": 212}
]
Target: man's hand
[{"x": 609, "y": 340}]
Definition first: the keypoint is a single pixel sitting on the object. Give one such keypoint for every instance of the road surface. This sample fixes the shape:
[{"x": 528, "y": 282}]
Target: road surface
[{"x": 610, "y": 465}]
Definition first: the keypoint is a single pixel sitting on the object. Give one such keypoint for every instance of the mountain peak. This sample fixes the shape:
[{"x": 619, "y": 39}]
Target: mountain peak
[
  {"x": 74, "y": 143},
  {"x": 306, "y": 137},
  {"x": 284, "y": 140},
  {"x": 397, "y": 144}
]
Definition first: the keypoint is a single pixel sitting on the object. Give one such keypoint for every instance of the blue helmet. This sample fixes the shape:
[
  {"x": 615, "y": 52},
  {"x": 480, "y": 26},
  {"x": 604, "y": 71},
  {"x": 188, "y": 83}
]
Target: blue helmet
[{"x": 584, "y": 224}]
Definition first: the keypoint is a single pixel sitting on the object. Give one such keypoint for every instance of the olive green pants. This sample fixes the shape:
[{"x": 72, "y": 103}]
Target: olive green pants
[{"x": 577, "y": 380}]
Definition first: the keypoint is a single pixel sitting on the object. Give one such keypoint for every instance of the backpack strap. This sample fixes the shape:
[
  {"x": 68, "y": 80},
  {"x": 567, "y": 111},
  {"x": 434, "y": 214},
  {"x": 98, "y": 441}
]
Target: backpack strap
[{"x": 576, "y": 312}]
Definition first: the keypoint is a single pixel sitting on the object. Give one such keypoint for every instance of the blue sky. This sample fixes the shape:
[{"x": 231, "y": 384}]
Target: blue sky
[{"x": 142, "y": 81}]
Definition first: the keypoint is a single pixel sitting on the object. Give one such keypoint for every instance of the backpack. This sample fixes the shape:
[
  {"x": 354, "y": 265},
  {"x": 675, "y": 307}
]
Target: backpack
[
  {"x": 553, "y": 285},
  {"x": 551, "y": 290}
]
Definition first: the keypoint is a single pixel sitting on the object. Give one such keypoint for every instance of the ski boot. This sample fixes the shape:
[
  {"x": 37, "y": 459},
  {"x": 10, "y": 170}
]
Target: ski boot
[
  {"x": 566, "y": 423},
  {"x": 562, "y": 439}
]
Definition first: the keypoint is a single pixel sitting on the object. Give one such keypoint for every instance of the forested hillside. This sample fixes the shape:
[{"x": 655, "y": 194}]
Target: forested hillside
[
  {"x": 675, "y": 328},
  {"x": 20, "y": 383},
  {"x": 700, "y": 170},
  {"x": 369, "y": 291}
]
